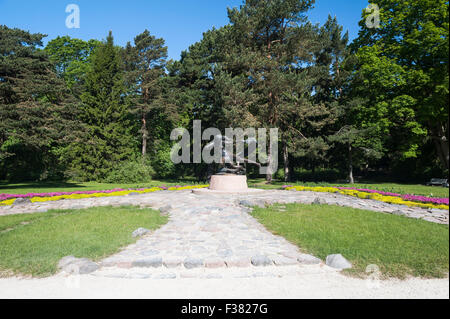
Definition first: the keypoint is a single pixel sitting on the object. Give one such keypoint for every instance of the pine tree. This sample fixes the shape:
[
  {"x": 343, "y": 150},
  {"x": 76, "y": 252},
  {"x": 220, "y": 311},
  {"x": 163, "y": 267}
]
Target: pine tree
[
  {"x": 272, "y": 50},
  {"x": 145, "y": 64}
]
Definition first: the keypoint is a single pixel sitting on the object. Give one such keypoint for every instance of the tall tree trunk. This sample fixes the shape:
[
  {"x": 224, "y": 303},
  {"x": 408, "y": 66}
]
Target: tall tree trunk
[
  {"x": 144, "y": 123},
  {"x": 337, "y": 75},
  {"x": 350, "y": 165},
  {"x": 287, "y": 174},
  {"x": 442, "y": 146},
  {"x": 442, "y": 151},
  {"x": 269, "y": 153},
  {"x": 144, "y": 136}
]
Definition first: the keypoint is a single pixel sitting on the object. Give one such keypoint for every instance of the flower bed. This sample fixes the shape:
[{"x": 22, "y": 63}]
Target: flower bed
[
  {"x": 408, "y": 197},
  {"x": 391, "y": 198},
  {"x": 8, "y": 199}
]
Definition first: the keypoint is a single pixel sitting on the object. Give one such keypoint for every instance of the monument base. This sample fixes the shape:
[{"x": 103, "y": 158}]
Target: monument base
[{"x": 227, "y": 184}]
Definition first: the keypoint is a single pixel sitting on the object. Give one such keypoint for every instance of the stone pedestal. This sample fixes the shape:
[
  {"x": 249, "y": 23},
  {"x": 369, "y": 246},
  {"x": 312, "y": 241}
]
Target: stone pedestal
[
  {"x": 232, "y": 183},
  {"x": 227, "y": 184}
]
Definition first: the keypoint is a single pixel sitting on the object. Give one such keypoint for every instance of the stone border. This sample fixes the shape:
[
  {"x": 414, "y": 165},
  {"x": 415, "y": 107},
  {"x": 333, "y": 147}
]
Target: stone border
[{"x": 232, "y": 262}]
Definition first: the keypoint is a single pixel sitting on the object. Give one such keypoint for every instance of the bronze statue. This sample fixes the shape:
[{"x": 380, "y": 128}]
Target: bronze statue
[{"x": 231, "y": 163}]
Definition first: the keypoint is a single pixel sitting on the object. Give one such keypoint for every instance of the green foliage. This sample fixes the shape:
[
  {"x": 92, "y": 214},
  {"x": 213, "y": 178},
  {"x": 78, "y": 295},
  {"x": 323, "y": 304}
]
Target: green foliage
[
  {"x": 144, "y": 65},
  {"x": 162, "y": 163},
  {"x": 37, "y": 114},
  {"x": 71, "y": 58},
  {"x": 268, "y": 75},
  {"x": 131, "y": 172},
  {"x": 109, "y": 138},
  {"x": 82, "y": 109},
  {"x": 322, "y": 175},
  {"x": 403, "y": 71}
]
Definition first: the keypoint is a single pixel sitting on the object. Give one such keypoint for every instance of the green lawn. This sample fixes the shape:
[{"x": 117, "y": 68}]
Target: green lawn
[
  {"x": 416, "y": 189},
  {"x": 400, "y": 246},
  {"x": 34, "y": 243},
  {"x": 46, "y": 187}
]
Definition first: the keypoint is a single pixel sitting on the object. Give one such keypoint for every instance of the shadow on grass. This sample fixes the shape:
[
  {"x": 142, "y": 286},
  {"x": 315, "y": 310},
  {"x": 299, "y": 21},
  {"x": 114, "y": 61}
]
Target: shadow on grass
[
  {"x": 54, "y": 186},
  {"x": 37, "y": 185}
]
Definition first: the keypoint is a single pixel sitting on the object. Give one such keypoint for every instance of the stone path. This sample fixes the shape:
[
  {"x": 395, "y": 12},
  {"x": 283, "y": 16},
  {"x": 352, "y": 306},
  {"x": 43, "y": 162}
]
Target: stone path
[
  {"x": 212, "y": 232},
  {"x": 213, "y": 236}
]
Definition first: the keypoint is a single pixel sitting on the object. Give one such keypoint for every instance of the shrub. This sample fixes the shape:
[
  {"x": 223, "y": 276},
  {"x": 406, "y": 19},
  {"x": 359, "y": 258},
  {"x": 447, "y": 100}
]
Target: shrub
[
  {"x": 279, "y": 174},
  {"x": 161, "y": 162},
  {"x": 320, "y": 175},
  {"x": 131, "y": 172}
]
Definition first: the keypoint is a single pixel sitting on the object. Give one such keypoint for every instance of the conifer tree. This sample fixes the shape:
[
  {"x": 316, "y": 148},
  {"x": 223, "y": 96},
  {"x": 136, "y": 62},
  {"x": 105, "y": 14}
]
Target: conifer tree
[
  {"x": 105, "y": 112},
  {"x": 272, "y": 56},
  {"x": 37, "y": 115},
  {"x": 145, "y": 64}
]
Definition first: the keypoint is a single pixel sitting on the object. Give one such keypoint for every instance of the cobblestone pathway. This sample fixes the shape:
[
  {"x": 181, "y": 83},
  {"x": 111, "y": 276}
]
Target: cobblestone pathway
[
  {"x": 211, "y": 232},
  {"x": 213, "y": 236}
]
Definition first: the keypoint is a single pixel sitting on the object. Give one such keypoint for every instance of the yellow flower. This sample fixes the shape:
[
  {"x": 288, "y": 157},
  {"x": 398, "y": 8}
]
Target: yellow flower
[
  {"x": 7, "y": 202},
  {"x": 365, "y": 195}
]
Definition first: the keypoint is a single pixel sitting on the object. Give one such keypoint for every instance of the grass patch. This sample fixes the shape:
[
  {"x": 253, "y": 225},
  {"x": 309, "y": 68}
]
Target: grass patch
[
  {"x": 34, "y": 243},
  {"x": 12, "y": 221},
  {"x": 400, "y": 246}
]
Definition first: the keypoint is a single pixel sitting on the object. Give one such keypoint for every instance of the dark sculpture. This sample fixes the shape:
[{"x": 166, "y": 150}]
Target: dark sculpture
[{"x": 230, "y": 163}]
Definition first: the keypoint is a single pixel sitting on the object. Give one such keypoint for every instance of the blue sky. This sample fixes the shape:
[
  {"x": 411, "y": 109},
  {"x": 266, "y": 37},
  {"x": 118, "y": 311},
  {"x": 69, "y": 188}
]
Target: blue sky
[{"x": 180, "y": 22}]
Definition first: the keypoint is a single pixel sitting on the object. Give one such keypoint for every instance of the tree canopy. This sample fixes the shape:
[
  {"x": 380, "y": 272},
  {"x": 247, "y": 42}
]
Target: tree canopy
[{"x": 90, "y": 110}]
